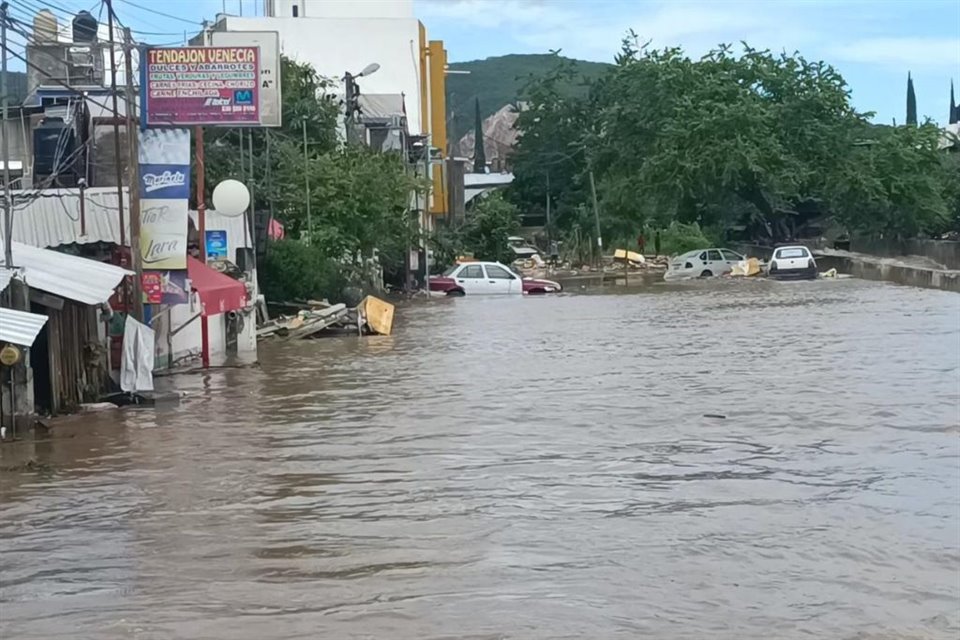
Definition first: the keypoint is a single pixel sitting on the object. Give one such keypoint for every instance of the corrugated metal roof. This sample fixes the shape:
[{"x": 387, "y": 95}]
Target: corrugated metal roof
[
  {"x": 20, "y": 327},
  {"x": 79, "y": 279},
  {"x": 6, "y": 275},
  {"x": 51, "y": 217}
]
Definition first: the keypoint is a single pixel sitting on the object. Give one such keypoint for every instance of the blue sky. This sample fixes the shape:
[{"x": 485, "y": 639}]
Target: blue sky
[{"x": 874, "y": 43}]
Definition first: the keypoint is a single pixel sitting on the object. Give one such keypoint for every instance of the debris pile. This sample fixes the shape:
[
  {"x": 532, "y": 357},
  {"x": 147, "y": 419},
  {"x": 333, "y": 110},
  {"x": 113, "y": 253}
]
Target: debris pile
[
  {"x": 319, "y": 318},
  {"x": 746, "y": 268}
]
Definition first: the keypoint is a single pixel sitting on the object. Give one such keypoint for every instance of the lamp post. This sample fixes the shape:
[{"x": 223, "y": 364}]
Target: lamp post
[{"x": 352, "y": 101}]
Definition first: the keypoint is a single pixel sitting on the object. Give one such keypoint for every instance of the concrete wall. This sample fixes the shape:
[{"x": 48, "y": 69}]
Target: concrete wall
[
  {"x": 899, "y": 274},
  {"x": 944, "y": 252},
  {"x": 337, "y": 45},
  {"x": 186, "y": 344}
]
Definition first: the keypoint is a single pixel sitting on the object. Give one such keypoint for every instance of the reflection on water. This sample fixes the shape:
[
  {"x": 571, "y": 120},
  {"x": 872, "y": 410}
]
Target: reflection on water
[{"x": 529, "y": 468}]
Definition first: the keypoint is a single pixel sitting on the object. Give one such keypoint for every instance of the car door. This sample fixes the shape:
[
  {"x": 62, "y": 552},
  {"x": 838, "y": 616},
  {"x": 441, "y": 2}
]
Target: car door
[
  {"x": 500, "y": 281},
  {"x": 472, "y": 279},
  {"x": 714, "y": 262},
  {"x": 731, "y": 258}
]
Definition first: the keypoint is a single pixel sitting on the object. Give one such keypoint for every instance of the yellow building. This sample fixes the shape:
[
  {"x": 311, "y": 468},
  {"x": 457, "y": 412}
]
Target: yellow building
[{"x": 433, "y": 118}]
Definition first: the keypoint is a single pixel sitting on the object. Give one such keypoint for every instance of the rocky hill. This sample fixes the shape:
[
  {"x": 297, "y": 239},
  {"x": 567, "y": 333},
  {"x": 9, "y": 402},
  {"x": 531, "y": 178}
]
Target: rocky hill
[{"x": 498, "y": 82}]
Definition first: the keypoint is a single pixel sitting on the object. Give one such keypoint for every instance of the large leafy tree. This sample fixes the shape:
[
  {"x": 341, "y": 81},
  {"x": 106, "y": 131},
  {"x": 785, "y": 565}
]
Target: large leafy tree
[
  {"x": 359, "y": 199},
  {"x": 743, "y": 139}
]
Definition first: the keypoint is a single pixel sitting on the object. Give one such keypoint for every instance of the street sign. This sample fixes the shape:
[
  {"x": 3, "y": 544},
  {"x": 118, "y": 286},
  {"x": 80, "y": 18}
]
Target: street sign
[
  {"x": 209, "y": 86},
  {"x": 269, "y": 44}
]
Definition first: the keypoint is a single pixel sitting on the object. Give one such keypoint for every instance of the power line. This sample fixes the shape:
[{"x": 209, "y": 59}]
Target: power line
[
  {"x": 67, "y": 17},
  {"x": 161, "y": 13}
]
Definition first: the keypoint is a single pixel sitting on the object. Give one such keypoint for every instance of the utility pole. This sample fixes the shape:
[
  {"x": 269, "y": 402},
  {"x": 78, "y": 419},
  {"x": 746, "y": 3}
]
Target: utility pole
[
  {"x": 116, "y": 123},
  {"x": 596, "y": 218},
  {"x": 202, "y": 232},
  {"x": 549, "y": 225},
  {"x": 7, "y": 203},
  {"x": 133, "y": 180},
  {"x": 306, "y": 180},
  {"x": 350, "y": 105}
]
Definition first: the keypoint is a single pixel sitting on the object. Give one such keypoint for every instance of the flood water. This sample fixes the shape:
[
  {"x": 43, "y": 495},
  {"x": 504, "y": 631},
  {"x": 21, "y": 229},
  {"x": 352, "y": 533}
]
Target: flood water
[{"x": 524, "y": 468}]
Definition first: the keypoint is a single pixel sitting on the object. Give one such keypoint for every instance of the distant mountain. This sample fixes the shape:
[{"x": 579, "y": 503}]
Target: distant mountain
[{"x": 497, "y": 82}]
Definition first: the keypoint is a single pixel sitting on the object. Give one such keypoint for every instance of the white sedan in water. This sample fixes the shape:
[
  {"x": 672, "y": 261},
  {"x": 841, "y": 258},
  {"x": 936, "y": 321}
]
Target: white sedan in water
[
  {"x": 488, "y": 278},
  {"x": 702, "y": 263}
]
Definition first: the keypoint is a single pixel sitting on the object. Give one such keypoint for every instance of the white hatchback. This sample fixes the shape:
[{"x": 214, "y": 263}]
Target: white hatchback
[
  {"x": 792, "y": 263},
  {"x": 702, "y": 263}
]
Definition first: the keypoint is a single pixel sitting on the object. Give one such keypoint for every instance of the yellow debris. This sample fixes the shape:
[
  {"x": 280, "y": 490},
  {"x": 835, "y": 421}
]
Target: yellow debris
[
  {"x": 746, "y": 268},
  {"x": 379, "y": 315},
  {"x": 632, "y": 256}
]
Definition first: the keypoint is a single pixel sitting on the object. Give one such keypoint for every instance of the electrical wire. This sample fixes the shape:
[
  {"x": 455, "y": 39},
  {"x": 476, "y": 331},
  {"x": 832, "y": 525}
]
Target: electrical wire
[
  {"x": 80, "y": 92},
  {"x": 161, "y": 13},
  {"x": 67, "y": 17}
]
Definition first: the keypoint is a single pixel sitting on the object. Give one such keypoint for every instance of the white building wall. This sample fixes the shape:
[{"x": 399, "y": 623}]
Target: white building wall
[
  {"x": 339, "y": 8},
  {"x": 335, "y": 46}
]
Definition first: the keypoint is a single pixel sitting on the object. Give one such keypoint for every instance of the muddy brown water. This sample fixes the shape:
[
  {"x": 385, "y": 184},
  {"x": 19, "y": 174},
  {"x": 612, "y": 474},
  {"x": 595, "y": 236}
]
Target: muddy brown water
[{"x": 528, "y": 468}]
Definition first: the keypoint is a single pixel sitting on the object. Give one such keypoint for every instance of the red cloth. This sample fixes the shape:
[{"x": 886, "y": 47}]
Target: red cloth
[
  {"x": 275, "y": 229},
  {"x": 218, "y": 293}
]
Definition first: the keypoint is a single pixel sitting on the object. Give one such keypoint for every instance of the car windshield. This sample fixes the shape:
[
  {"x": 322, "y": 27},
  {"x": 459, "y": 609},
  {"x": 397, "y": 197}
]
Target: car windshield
[
  {"x": 449, "y": 272},
  {"x": 796, "y": 252}
]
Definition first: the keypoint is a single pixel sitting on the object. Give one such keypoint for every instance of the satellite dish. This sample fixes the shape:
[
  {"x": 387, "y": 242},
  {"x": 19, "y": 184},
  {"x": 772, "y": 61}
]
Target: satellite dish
[{"x": 231, "y": 198}]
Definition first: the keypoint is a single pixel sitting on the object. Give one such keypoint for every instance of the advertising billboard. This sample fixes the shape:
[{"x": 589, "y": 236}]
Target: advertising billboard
[
  {"x": 164, "y": 157},
  {"x": 208, "y": 86},
  {"x": 269, "y": 44}
]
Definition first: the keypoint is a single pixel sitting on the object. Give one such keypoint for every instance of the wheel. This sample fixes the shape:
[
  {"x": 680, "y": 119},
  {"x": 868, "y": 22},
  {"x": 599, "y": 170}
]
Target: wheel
[
  {"x": 456, "y": 293},
  {"x": 706, "y": 273},
  {"x": 536, "y": 292}
]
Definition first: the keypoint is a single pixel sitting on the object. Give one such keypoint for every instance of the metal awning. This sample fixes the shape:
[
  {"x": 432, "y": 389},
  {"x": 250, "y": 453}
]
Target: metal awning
[
  {"x": 19, "y": 327},
  {"x": 71, "y": 277},
  {"x": 219, "y": 293},
  {"x": 6, "y": 275}
]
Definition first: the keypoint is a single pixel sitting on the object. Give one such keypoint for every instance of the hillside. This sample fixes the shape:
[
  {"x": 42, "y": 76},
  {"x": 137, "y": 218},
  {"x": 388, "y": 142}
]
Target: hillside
[{"x": 497, "y": 82}]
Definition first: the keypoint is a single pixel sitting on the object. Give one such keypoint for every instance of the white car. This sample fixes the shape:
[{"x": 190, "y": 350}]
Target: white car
[
  {"x": 702, "y": 263},
  {"x": 488, "y": 278},
  {"x": 792, "y": 263}
]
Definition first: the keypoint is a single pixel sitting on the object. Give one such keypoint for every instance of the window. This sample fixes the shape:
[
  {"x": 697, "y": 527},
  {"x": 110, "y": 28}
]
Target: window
[
  {"x": 474, "y": 271},
  {"x": 714, "y": 255},
  {"x": 296, "y": 11},
  {"x": 498, "y": 273},
  {"x": 731, "y": 256},
  {"x": 703, "y": 257},
  {"x": 796, "y": 252}
]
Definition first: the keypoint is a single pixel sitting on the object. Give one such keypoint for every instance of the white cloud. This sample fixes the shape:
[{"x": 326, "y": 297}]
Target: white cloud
[{"x": 902, "y": 52}]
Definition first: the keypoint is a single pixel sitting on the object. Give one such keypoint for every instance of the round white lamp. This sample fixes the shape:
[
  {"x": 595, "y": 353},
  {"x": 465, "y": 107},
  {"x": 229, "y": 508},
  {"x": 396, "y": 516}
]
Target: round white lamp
[{"x": 231, "y": 198}]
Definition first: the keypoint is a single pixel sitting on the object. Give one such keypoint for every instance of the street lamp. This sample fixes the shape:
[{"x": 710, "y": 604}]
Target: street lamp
[
  {"x": 368, "y": 70},
  {"x": 352, "y": 102}
]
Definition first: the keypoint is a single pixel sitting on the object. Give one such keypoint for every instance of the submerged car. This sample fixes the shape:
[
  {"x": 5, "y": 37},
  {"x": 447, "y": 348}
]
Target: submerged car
[
  {"x": 792, "y": 263},
  {"x": 488, "y": 278},
  {"x": 703, "y": 263}
]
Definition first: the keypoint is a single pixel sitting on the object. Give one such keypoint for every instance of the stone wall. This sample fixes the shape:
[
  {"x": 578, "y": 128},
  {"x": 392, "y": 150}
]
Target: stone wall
[{"x": 944, "y": 252}]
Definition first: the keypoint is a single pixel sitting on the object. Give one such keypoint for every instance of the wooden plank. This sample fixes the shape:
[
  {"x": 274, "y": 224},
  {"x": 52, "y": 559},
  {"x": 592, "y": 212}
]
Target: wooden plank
[
  {"x": 46, "y": 300},
  {"x": 379, "y": 315}
]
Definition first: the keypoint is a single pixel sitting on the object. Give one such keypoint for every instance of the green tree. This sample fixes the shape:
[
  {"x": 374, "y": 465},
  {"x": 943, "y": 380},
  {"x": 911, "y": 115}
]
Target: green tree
[
  {"x": 479, "y": 152},
  {"x": 359, "y": 199},
  {"x": 911, "y": 102},
  {"x": 745, "y": 139},
  {"x": 549, "y": 155},
  {"x": 486, "y": 231}
]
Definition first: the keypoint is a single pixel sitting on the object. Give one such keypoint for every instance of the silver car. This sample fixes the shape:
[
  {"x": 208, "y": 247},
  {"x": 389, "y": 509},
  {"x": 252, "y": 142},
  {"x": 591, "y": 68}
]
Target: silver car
[{"x": 702, "y": 263}]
